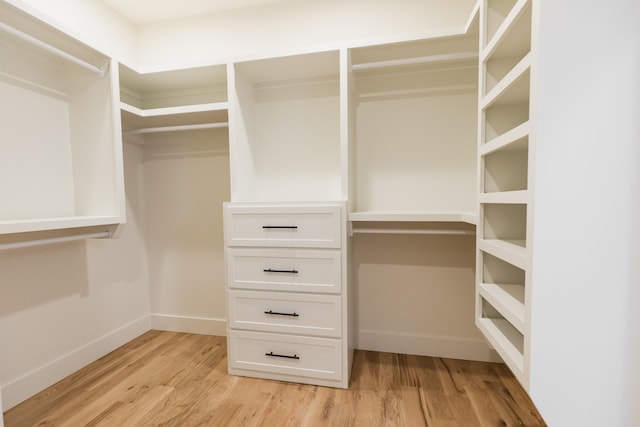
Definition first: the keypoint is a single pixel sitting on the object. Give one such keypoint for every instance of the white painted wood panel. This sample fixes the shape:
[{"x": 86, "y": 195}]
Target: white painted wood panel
[
  {"x": 285, "y": 270},
  {"x": 305, "y": 314}
]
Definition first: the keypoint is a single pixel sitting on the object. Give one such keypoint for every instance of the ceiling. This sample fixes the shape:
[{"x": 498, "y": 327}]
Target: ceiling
[{"x": 145, "y": 11}]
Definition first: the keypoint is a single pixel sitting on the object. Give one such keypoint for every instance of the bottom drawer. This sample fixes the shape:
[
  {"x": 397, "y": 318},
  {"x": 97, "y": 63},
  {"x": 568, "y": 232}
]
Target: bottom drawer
[{"x": 286, "y": 354}]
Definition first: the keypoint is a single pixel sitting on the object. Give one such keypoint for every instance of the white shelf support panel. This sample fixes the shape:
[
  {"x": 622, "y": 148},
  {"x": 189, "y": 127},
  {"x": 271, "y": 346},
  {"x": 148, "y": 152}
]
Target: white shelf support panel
[
  {"x": 54, "y": 240},
  {"x": 51, "y": 49}
]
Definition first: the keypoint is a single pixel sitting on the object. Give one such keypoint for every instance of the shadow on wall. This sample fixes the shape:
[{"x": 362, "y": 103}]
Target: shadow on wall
[{"x": 34, "y": 276}]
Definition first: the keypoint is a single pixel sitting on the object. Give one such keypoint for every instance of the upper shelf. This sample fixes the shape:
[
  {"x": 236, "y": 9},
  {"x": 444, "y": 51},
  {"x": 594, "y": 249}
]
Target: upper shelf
[
  {"x": 173, "y": 100},
  {"x": 422, "y": 67},
  {"x": 513, "y": 37},
  {"x": 200, "y": 116}
]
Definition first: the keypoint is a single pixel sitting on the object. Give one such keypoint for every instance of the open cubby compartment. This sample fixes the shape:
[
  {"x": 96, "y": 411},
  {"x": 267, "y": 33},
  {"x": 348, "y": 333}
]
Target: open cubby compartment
[
  {"x": 416, "y": 121},
  {"x": 503, "y": 336},
  {"x": 506, "y": 169},
  {"x": 496, "y": 11},
  {"x": 510, "y": 56},
  {"x": 508, "y": 109},
  {"x": 61, "y": 163},
  {"x": 509, "y": 51},
  {"x": 503, "y": 285},
  {"x": 285, "y": 128},
  {"x": 505, "y": 222},
  {"x": 504, "y": 20}
]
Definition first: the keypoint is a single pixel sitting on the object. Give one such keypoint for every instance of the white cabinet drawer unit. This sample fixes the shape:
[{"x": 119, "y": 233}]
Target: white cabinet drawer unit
[{"x": 287, "y": 303}]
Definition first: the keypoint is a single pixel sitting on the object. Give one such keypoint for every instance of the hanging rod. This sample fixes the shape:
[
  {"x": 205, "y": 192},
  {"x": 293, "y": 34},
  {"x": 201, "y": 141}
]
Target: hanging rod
[
  {"x": 51, "y": 49},
  {"x": 415, "y": 61},
  {"x": 410, "y": 231},
  {"x": 42, "y": 242},
  {"x": 177, "y": 128}
]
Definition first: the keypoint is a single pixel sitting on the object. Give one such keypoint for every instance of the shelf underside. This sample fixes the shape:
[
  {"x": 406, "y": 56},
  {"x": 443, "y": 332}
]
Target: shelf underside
[{"x": 408, "y": 216}]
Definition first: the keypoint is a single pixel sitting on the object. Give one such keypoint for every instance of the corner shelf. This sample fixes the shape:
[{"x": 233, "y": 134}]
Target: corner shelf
[
  {"x": 199, "y": 116},
  {"x": 173, "y": 100}
]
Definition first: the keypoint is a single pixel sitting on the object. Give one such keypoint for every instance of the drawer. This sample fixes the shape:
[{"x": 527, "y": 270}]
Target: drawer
[
  {"x": 283, "y": 226},
  {"x": 306, "y": 314},
  {"x": 286, "y": 354},
  {"x": 300, "y": 270}
]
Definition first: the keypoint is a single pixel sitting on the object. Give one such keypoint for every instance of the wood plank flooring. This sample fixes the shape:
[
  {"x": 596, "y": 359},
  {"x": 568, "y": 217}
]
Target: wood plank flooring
[{"x": 175, "y": 379}]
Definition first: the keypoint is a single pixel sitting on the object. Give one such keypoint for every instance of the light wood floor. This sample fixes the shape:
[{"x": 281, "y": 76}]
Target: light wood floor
[{"x": 173, "y": 379}]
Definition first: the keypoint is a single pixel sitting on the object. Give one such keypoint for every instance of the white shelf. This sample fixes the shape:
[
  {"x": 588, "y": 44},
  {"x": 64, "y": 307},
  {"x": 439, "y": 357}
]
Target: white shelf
[
  {"x": 517, "y": 73},
  {"x": 512, "y": 92},
  {"x": 136, "y": 120},
  {"x": 507, "y": 341},
  {"x": 172, "y": 111},
  {"x": 173, "y": 87},
  {"x": 403, "y": 216},
  {"x": 504, "y": 35},
  {"x": 515, "y": 139},
  {"x": 418, "y": 60},
  {"x": 511, "y": 251},
  {"x": 505, "y": 197},
  {"x": 508, "y": 299},
  {"x": 43, "y": 224}
]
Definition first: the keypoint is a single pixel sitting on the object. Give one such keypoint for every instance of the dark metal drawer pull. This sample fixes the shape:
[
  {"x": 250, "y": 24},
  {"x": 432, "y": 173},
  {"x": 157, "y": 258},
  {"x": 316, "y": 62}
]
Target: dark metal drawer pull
[
  {"x": 272, "y": 354},
  {"x": 272, "y": 270},
  {"x": 294, "y": 314},
  {"x": 278, "y": 227}
]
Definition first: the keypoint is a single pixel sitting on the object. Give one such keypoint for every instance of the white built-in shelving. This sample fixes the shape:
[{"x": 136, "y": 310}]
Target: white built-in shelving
[
  {"x": 173, "y": 100},
  {"x": 61, "y": 163},
  {"x": 411, "y": 137},
  {"x": 505, "y": 193},
  {"x": 286, "y": 128}
]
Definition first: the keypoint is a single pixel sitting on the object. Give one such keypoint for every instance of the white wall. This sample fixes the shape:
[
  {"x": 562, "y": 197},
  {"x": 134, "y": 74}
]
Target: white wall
[
  {"x": 293, "y": 25},
  {"x": 186, "y": 178},
  {"x": 90, "y": 21},
  {"x": 65, "y": 305},
  {"x": 414, "y": 295},
  {"x": 585, "y": 318}
]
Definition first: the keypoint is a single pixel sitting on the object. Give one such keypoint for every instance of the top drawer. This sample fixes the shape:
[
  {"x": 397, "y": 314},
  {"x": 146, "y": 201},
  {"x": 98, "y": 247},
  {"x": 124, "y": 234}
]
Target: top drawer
[{"x": 283, "y": 226}]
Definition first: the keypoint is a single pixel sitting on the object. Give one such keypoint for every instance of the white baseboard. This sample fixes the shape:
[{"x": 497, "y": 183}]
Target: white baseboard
[
  {"x": 425, "y": 345},
  {"x": 40, "y": 378},
  {"x": 193, "y": 325}
]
